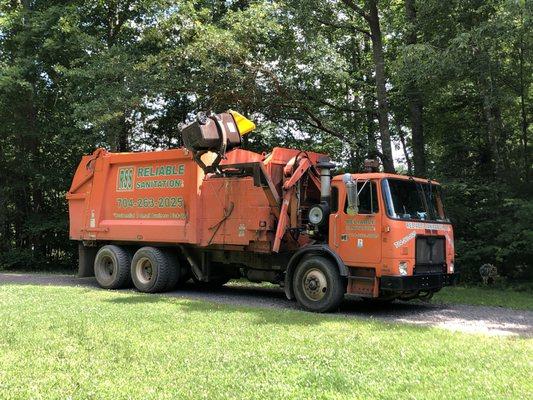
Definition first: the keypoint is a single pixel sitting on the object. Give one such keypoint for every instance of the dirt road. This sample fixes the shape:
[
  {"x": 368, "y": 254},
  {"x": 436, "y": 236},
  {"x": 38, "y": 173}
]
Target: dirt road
[{"x": 463, "y": 318}]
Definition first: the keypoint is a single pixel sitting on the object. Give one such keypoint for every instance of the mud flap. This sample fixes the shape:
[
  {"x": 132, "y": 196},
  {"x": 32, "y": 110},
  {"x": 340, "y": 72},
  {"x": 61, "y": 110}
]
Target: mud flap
[{"x": 86, "y": 260}]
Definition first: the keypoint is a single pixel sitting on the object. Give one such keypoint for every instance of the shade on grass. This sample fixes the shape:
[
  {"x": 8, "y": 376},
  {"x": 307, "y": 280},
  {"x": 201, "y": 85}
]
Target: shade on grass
[
  {"x": 485, "y": 297},
  {"x": 59, "y": 342}
]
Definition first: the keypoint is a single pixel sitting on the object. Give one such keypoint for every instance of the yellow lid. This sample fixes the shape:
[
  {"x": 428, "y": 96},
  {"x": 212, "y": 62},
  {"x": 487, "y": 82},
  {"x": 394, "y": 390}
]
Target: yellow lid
[{"x": 244, "y": 125}]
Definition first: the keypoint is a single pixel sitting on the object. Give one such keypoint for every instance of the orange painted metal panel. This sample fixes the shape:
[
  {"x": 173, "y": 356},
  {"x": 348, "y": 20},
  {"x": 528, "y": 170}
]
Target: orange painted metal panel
[
  {"x": 150, "y": 196},
  {"x": 378, "y": 241},
  {"x": 164, "y": 197},
  {"x": 234, "y": 212}
]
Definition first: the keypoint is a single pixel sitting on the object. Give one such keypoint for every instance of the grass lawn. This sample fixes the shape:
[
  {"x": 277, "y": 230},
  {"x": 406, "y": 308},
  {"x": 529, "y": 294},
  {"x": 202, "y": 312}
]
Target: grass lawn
[
  {"x": 477, "y": 296},
  {"x": 485, "y": 297},
  {"x": 80, "y": 343}
]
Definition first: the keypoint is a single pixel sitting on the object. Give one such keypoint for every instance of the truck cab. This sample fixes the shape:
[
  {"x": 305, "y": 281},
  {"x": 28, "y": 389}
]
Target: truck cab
[{"x": 392, "y": 233}]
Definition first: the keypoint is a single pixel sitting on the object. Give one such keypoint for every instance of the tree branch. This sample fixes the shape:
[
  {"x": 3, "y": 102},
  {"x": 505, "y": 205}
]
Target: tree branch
[
  {"x": 316, "y": 122},
  {"x": 351, "y": 4},
  {"x": 338, "y": 108},
  {"x": 343, "y": 26}
]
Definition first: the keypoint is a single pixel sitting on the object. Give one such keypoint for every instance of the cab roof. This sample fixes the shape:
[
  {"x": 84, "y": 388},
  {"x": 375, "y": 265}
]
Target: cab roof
[{"x": 383, "y": 175}]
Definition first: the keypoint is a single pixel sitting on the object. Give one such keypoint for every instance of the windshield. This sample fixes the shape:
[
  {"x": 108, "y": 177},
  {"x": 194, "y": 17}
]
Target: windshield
[{"x": 408, "y": 199}]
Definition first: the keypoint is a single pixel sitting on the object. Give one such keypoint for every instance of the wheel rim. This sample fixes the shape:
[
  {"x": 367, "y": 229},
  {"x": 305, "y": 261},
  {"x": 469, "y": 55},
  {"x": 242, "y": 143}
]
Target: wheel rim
[
  {"x": 106, "y": 268},
  {"x": 315, "y": 284},
  {"x": 144, "y": 270}
]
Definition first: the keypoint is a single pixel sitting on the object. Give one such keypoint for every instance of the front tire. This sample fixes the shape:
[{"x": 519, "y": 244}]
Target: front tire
[
  {"x": 317, "y": 285},
  {"x": 112, "y": 267},
  {"x": 151, "y": 270}
]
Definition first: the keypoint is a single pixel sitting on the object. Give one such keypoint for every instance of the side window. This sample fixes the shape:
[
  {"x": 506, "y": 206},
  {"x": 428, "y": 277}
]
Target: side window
[
  {"x": 334, "y": 199},
  {"x": 368, "y": 199}
]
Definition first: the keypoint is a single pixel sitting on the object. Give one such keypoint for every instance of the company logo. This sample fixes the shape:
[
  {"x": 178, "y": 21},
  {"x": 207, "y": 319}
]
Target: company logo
[
  {"x": 405, "y": 239},
  {"x": 125, "y": 179}
]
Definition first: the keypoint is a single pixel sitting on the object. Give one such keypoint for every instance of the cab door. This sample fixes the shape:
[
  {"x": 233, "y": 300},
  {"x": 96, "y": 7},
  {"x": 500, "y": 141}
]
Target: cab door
[{"x": 356, "y": 237}]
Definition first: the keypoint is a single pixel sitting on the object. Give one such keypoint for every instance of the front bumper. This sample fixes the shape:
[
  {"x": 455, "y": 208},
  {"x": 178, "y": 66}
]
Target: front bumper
[{"x": 417, "y": 282}]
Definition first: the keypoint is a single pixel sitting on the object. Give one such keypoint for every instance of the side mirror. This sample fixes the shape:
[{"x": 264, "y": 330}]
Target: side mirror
[
  {"x": 353, "y": 190},
  {"x": 353, "y": 195}
]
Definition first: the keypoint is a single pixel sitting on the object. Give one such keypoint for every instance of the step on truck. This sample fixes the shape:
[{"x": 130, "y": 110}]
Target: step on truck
[{"x": 211, "y": 211}]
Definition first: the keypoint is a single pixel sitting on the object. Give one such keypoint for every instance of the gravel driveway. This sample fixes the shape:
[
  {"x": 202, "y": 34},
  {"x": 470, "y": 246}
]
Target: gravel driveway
[{"x": 494, "y": 321}]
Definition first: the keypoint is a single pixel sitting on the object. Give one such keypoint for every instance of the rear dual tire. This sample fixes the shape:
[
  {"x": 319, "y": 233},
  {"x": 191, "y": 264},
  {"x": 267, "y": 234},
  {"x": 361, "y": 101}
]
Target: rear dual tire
[
  {"x": 154, "y": 270},
  {"x": 112, "y": 267},
  {"x": 150, "y": 269}
]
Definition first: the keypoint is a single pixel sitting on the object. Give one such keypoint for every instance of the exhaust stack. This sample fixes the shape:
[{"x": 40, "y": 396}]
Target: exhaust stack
[{"x": 325, "y": 166}]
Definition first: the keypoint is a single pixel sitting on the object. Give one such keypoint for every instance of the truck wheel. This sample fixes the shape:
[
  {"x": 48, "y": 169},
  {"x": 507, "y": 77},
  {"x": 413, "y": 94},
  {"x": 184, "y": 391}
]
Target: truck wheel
[
  {"x": 175, "y": 270},
  {"x": 112, "y": 267},
  {"x": 318, "y": 285},
  {"x": 151, "y": 270}
]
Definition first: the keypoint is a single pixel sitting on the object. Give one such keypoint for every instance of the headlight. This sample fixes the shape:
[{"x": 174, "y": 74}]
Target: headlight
[
  {"x": 316, "y": 215},
  {"x": 402, "y": 267}
]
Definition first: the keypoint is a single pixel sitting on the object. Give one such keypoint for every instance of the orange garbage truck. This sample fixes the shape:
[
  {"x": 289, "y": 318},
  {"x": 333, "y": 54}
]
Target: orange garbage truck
[{"x": 211, "y": 211}]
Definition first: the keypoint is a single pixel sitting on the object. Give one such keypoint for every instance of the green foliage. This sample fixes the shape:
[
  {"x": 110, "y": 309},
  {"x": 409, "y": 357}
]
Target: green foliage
[
  {"x": 491, "y": 227},
  {"x": 38, "y": 142},
  {"x": 75, "y": 75}
]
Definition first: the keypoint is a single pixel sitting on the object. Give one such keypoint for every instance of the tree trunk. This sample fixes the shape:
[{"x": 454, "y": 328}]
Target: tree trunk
[
  {"x": 120, "y": 129},
  {"x": 119, "y": 134},
  {"x": 35, "y": 195},
  {"x": 404, "y": 148},
  {"x": 415, "y": 100},
  {"x": 492, "y": 114},
  {"x": 381, "y": 91},
  {"x": 523, "y": 112},
  {"x": 370, "y": 112}
]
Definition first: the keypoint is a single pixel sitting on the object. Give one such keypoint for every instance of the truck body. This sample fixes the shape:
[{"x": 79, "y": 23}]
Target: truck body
[{"x": 158, "y": 218}]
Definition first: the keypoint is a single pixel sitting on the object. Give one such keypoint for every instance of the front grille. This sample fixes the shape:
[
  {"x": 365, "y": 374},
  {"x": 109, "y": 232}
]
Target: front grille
[
  {"x": 430, "y": 255},
  {"x": 430, "y": 269}
]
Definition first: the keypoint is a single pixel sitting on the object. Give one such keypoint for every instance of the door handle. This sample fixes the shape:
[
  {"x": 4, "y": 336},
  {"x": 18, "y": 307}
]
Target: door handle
[{"x": 335, "y": 238}]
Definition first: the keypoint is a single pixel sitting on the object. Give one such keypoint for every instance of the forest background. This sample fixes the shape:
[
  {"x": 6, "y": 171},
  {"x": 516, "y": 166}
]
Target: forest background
[{"x": 438, "y": 89}]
